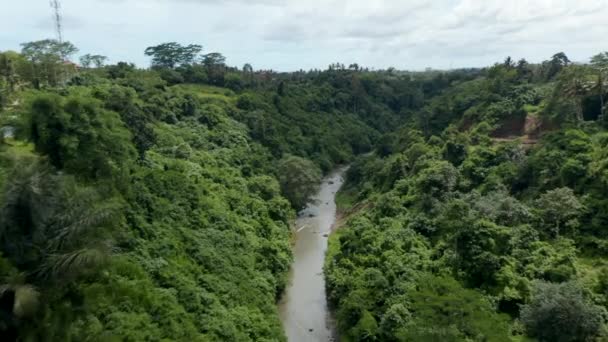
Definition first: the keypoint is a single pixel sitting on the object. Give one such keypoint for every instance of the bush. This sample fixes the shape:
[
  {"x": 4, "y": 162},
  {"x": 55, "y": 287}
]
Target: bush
[
  {"x": 299, "y": 179},
  {"x": 560, "y": 313}
]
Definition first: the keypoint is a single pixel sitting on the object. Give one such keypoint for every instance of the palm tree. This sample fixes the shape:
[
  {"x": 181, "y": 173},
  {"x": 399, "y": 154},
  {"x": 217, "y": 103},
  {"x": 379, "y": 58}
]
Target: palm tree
[
  {"x": 575, "y": 84},
  {"x": 577, "y": 89},
  {"x": 51, "y": 230},
  {"x": 78, "y": 235},
  {"x": 27, "y": 202},
  {"x": 600, "y": 63},
  {"x": 248, "y": 71}
]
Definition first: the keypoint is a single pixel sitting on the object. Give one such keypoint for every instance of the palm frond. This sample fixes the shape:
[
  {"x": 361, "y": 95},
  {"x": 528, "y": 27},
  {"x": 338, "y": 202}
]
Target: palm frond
[
  {"x": 82, "y": 221},
  {"x": 69, "y": 265},
  {"x": 26, "y": 204}
]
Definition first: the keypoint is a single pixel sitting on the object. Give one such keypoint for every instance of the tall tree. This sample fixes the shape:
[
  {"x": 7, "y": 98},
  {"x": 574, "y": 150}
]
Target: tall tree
[
  {"x": 8, "y": 76},
  {"x": 77, "y": 134},
  {"x": 600, "y": 63},
  {"x": 214, "y": 59},
  {"x": 557, "y": 62},
  {"x": 247, "y": 68},
  {"x": 248, "y": 71},
  {"x": 41, "y": 49},
  {"x": 8, "y": 68},
  {"x": 559, "y": 209},
  {"x": 561, "y": 313},
  {"x": 560, "y": 58},
  {"x": 53, "y": 232},
  {"x": 574, "y": 83},
  {"x": 48, "y": 60},
  {"x": 170, "y": 55},
  {"x": 89, "y": 60},
  {"x": 600, "y": 60},
  {"x": 215, "y": 63},
  {"x": 299, "y": 179},
  {"x": 523, "y": 69}
]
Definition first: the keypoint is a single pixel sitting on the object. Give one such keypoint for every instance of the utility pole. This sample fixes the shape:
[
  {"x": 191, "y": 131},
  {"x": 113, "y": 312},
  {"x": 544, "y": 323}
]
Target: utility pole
[
  {"x": 63, "y": 72},
  {"x": 56, "y": 6}
]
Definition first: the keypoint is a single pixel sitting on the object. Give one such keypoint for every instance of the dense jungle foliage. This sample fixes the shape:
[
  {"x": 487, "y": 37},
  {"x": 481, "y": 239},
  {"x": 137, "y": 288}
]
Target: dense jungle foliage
[
  {"x": 155, "y": 204},
  {"x": 483, "y": 218}
]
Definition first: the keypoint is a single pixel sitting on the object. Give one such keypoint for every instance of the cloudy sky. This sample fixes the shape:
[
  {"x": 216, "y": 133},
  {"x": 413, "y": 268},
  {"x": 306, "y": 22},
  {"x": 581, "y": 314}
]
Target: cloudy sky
[{"x": 292, "y": 34}]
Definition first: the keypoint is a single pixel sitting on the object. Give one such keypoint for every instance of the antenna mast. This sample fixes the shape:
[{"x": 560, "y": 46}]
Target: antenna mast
[{"x": 57, "y": 17}]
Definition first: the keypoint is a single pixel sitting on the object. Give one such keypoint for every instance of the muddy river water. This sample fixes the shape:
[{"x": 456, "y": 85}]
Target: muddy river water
[{"x": 303, "y": 308}]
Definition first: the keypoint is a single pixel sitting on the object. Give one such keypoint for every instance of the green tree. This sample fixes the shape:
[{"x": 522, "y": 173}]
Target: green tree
[
  {"x": 366, "y": 329},
  {"x": 39, "y": 50},
  {"x": 600, "y": 60},
  {"x": 437, "y": 180},
  {"x": 443, "y": 310},
  {"x": 561, "y": 313},
  {"x": 67, "y": 226},
  {"x": 78, "y": 134},
  {"x": 248, "y": 71},
  {"x": 170, "y": 55},
  {"x": 89, "y": 60},
  {"x": 523, "y": 69},
  {"x": 480, "y": 248},
  {"x": 213, "y": 59},
  {"x": 123, "y": 100},
  {"x": 577, "y": 86},
  {"x": 215, "y": 63},
  {"x": 47, "y": 58},
  {"x": 299, "y": 179},
  {"x": 54, "y": 232},
  {"x": 557, "y": 62},
  {"x": 559, "y": 210},
  {"x": 120, "y": 70},
  {"x": 9, "y": 77},
  {"x": 600, "y": 63},
  {"x": 574, "y": 84}
]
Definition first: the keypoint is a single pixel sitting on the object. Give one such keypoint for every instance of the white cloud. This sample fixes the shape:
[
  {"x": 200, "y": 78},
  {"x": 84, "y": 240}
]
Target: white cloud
[{"x": 290, "y": 34}]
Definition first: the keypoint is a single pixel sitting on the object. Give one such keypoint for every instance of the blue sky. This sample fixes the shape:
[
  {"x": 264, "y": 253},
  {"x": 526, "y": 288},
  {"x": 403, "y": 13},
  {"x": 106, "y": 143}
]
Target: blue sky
[{"x": 293, "y": 34}]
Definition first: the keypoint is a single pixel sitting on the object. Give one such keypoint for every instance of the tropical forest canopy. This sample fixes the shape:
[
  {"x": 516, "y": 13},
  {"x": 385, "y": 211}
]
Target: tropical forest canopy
[{"x": 156, "y": 204}]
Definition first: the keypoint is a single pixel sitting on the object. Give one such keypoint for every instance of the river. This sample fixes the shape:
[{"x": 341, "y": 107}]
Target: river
[{"x": 303, "y": 308}]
